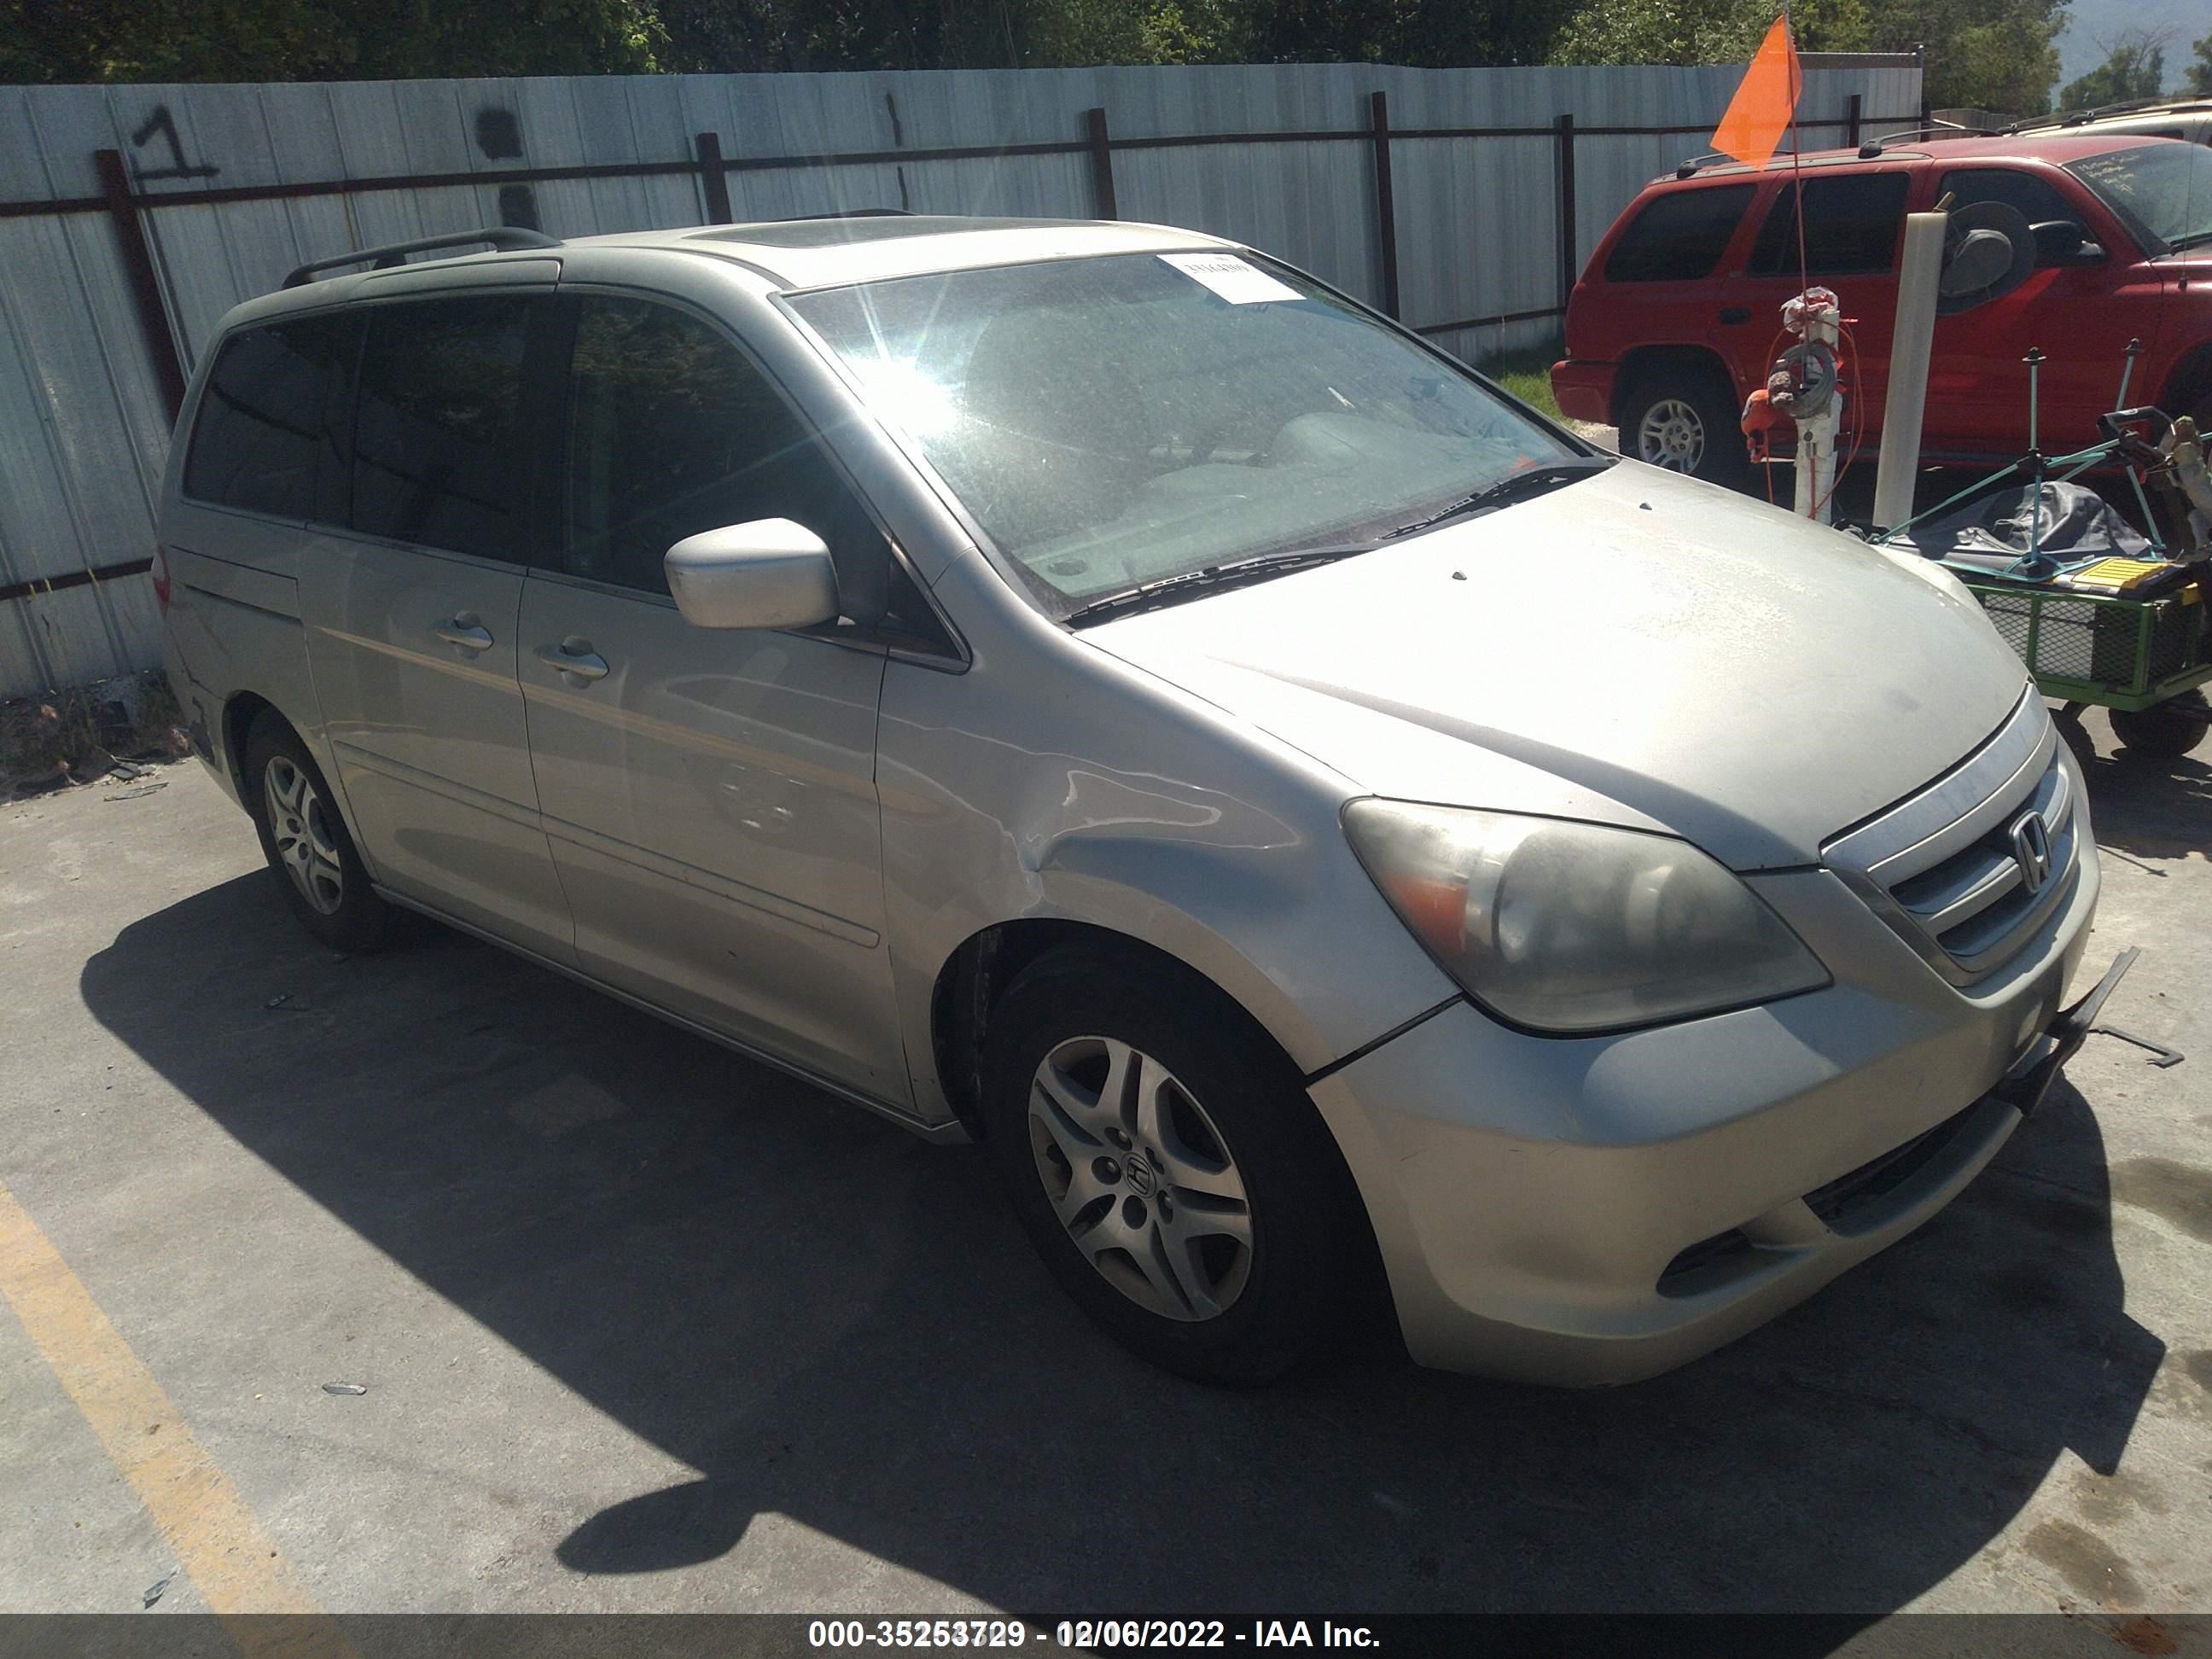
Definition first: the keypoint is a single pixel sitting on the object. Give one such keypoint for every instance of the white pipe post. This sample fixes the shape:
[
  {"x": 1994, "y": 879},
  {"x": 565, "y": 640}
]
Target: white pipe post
[
  {"x": 1910, "y": 344},
  {"x": 1816, "y": 438}
]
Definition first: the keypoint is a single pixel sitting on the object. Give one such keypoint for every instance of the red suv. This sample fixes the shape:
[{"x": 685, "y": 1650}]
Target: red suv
[{"x": 1674, "y": 322}]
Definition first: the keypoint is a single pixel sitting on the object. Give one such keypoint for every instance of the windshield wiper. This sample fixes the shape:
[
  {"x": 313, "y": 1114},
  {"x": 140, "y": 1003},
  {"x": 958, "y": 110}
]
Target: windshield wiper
[
  {"x": 1191, "y": 583},
  {"x": 2194, "y": 238},
  {"x": 1532, "y": 480},
  {"x": 1167, "y": 590}
]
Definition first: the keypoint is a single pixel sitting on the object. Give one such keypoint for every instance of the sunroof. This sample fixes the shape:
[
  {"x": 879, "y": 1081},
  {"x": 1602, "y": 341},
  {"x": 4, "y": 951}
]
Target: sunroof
[{"x": 870, "y": 228}]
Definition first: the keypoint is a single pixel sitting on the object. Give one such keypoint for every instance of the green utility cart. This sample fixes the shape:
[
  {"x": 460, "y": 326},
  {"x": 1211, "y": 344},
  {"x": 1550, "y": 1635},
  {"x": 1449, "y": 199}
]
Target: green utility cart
[{"x": 2143, "y": 659}]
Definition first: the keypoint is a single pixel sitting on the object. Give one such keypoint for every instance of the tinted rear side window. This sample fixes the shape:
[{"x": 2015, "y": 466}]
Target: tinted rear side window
[
  {"x": 1851, "y": 225},
  {"x": 440, "y": 455},
  {"x": 1678, "y": 237},
  {"x": 266, "y": 421}
]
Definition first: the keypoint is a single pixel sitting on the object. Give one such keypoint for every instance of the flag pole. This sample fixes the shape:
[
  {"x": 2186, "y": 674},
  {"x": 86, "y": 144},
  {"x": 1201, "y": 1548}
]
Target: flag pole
[{"x": 1797, "y": 152}]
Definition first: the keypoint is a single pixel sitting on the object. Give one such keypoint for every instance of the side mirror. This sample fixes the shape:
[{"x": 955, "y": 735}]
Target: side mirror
[
  {"x": 769, "y": 573},
  {"x": 2064, "y": 242}
]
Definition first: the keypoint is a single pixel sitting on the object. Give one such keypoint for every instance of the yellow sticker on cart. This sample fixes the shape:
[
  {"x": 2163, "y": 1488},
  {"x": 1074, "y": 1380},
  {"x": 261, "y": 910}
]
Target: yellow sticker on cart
[{"x": 2117, "y": 573}]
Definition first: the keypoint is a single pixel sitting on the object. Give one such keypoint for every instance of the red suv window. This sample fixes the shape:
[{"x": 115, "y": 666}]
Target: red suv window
[
  {"x": 1680, "y": 236},
  {"x": 2035, "y": 198},
  {"x": 1851, "y": 224}
]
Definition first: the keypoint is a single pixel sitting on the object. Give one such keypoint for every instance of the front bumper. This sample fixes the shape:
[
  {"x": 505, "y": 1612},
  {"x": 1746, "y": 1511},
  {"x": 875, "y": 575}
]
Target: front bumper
[
  {"x": 1584, "y": 390},
  {"x": 1699, "y": 1178}
]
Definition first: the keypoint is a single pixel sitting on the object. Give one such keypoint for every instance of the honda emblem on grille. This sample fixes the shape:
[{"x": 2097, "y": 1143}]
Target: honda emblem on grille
[{"x": 2030, "y": 845}]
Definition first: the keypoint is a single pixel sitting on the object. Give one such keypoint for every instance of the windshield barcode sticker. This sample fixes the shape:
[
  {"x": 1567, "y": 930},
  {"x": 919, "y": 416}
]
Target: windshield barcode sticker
[{"x": 1235, "y": 280}]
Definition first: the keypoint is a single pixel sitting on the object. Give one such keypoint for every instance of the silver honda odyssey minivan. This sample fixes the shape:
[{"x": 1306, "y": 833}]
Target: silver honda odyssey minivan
[{"x": 1340, "y": 843}]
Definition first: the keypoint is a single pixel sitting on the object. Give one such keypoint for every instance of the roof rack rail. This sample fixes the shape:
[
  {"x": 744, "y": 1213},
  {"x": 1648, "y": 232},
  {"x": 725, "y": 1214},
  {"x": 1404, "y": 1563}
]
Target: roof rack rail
[
  {"x": 1873, "y": 147},
  {"x": 2082, "y": 118},
  {"x": 504, "y": 237}
]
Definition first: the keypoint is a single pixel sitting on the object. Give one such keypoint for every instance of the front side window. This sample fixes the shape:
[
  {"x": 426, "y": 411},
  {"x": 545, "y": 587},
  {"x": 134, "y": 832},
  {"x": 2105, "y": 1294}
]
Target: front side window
[
  {"x": 440, "y": 457},
  {"x": 2163, "y": 189},
  {"x": 673, "y": 430},
  {"x": 265, "y": 422},
  {"x": 2037, "y": 199},
  {"x": 1680, "y": 236},
  {"x": 1852, "y": 227},
  {"x": 1110, "y": 421}
]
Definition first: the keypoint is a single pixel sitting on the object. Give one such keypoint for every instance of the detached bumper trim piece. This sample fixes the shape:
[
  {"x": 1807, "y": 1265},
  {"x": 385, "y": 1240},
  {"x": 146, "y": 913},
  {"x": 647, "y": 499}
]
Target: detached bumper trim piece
[{"x": 2024, "y": 1087}]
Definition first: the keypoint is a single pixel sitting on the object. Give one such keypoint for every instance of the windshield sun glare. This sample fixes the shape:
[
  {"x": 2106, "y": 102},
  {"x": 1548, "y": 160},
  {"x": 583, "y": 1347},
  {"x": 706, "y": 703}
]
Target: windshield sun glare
[{"x": 1118, "y": 421}]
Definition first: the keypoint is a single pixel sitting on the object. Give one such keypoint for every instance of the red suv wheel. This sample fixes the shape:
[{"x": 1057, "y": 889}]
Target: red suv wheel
[{"x": 1684, "y": 419}]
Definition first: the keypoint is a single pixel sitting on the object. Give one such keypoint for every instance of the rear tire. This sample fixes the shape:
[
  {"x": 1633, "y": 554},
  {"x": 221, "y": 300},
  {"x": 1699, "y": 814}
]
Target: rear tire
[
  {"x": 2171, "y": 728},
  {"x": 306, "y": 842},
  {"x": 1685, "y": 418},
  {"x": 1163, "y": 1156}
]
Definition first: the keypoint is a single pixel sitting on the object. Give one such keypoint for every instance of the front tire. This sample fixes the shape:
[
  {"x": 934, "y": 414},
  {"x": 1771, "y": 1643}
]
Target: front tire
[
  {"x": 1165, "y": 1159},
  {"x": 2170, "y": 729},
  {"x": 306, "y": 842},
  {"x": 1685, "y": 420}
]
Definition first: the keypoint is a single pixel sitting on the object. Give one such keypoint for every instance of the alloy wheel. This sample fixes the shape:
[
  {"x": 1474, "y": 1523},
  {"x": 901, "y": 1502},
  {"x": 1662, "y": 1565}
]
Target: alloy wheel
[
  {"x": 1672, "y": 436},
  {"x": 1141, "y": 1178},
  {"x": 299, "y": 823}
]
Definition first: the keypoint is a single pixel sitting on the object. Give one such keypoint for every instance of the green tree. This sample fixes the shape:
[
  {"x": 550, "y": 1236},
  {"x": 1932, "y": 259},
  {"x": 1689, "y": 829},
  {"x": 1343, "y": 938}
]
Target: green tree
[
  {"x": 2196, "y": 78},
  {"x": 730, "y": 35},
  {"x": 1704, "y": 31},
  {"x": 2134, "y": 67},
  {"x": 1987, "y": 54},
  {"x": 1982, "y": 54},
  {"x": 47, "y": 41},
  {"x": 1425, "y": 33}
]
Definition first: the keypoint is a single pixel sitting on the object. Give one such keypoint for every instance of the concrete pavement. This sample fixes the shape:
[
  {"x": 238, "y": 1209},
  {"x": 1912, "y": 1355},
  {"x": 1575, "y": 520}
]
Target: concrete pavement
[{"x": 642, "y": 1326}]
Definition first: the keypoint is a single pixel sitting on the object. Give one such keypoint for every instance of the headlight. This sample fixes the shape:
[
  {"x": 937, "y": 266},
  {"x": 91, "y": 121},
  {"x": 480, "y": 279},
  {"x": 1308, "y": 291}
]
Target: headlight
[{"x": 1573, "y": 928}]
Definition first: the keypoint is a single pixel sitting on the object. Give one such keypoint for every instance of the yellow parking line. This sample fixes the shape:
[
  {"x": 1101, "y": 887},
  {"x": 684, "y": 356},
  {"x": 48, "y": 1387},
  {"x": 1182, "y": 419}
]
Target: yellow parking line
[{"x": 237, "y": 1567}]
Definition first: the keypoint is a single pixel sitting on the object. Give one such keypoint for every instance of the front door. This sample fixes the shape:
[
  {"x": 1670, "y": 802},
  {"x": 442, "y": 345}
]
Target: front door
[
  {"x": 2080, "y": 318},
  {"x": 413, "y": 614},
  {"x": 710, "y": 793}
]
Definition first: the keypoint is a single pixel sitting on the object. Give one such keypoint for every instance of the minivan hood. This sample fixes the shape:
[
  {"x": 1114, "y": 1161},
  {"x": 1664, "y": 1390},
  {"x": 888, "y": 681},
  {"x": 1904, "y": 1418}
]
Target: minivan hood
[{"x": 1634, "y": 647}]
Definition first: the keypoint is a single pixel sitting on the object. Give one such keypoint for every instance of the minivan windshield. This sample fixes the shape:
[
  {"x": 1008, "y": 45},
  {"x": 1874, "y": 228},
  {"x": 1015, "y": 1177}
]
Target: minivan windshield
[
  {"x": 2164, "y": 188},
  {"x": 1124, "y": 420}
]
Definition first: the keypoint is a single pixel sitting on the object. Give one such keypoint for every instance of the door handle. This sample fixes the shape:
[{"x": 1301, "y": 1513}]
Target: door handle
[
  {"x": 574, "y": 656},
  {"x": 1731, "y": 315},
  {"x": 464, "y": 630}
]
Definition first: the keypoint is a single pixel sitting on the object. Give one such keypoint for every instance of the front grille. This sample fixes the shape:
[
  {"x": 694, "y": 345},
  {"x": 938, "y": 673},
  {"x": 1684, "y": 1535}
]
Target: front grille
[
  {"x": 1956, "y": 870},
  {"x": 1978, "y": 898}
]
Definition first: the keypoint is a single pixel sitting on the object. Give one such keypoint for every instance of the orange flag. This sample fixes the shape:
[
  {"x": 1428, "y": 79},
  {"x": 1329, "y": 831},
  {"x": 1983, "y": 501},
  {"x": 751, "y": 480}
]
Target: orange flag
[{"x": 1759, "y": 114}]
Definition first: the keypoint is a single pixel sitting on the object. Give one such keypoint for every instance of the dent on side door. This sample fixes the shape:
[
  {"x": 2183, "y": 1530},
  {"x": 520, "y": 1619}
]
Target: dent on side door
[{"x": 710, "y": 796}]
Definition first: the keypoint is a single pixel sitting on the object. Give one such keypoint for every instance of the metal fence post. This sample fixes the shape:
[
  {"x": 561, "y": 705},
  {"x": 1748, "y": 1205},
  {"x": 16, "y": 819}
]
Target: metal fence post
[
  {"x": 145, "y": 285},
  {"x": 1853, "y": 107},
  {"x": 1101, "y": 164},
  {"x": 1386, "y": 202},
  {"x": 1570, "y": 262},
  {"x": 713, "y": 182}
]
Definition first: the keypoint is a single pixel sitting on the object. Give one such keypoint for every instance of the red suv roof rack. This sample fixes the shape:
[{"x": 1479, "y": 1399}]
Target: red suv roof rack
[{"x": 2082, "y": 117}]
